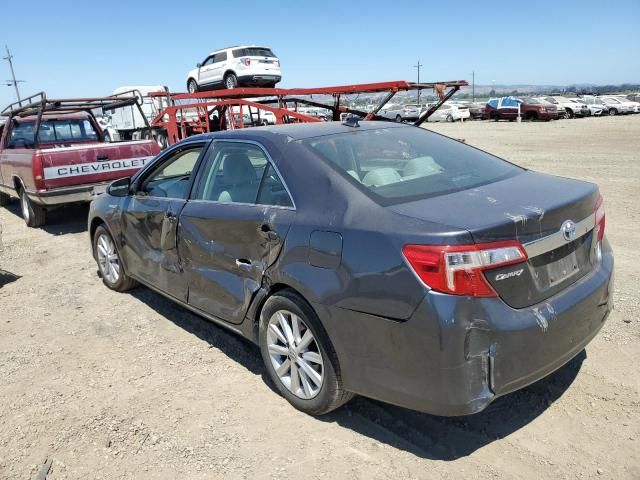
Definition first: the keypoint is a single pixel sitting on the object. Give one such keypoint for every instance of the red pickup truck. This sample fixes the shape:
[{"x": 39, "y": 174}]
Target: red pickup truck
[{"x": 52, "y": 153}]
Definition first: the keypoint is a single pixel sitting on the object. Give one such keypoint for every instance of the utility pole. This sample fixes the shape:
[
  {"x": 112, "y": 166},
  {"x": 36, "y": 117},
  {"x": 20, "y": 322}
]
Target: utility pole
[
  {"x": 473, "y": 86},
  {"x": 418, "y": 66},
  {"x": 13, "y": 80}
]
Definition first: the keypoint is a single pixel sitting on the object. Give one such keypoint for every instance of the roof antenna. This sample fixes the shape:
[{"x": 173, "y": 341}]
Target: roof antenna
[{"x": 351, "y": 121}]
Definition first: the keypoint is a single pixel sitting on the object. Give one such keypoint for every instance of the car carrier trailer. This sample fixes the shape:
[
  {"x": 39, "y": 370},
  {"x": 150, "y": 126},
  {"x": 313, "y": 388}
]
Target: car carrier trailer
[{"x": 202, "y": 112}]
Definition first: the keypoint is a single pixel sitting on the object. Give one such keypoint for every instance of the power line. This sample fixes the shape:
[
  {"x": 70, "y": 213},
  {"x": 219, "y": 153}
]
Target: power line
[{"x": 14, "y": 82}]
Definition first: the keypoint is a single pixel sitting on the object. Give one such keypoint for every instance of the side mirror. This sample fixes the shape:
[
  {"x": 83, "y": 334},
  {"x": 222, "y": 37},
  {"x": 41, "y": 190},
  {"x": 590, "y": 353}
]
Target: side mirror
[
  {"x": 119, "y": 188},
  {"x": 198, "y": 65}
]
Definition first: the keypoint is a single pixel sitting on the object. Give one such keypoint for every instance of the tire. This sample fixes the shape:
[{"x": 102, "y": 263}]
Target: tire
[
  {"x": 109, "y": 264},
  {"x": 192, "y": 86},
  {"x": 4, "y": 199},
  {"x": 613, "y": 111},
  {"x": 34, "y": 215},
  {"x": 161, "y": 140},
  {"x": 230, "y": 81},
  {"x": 569, "y": 113},
  {"x": 399, "y": 118},
  {"x": 531, "y": 116},
  {"x": 327, "y": 396},
  {"x": 450, "y": 118}
]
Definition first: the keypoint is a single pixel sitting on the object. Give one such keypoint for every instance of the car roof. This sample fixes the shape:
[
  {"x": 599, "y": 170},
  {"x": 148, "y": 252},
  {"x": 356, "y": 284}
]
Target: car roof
[
  {"x": 238, "y": 46},
  {"x": 298, "y": 131}
]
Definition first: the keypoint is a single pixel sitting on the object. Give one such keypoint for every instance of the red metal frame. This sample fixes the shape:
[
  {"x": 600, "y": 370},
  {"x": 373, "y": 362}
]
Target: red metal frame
[{"x": 223, "y": 109}]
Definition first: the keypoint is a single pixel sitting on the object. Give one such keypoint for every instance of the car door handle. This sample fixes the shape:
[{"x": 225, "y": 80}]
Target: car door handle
[
  {"x": 268, "y": 232},
  {"x": 243, "y": 264}
]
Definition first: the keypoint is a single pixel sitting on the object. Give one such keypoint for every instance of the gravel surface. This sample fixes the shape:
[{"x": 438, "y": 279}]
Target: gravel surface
[{"x": 112, "y": 385}]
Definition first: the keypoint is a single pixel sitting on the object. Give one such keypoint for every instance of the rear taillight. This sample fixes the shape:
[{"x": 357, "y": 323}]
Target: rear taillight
[
  {"x": 246, "y": 61},
  {"x": 38, "y": 171},
  {"x": 599, "y": 218},
  {"x": 458, "y": 269}
]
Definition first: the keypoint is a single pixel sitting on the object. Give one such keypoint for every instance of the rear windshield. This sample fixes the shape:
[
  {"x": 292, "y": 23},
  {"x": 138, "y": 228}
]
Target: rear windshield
[
  {"x": 395, "y": 165},
  {"x": 253, "y": 52},
  {"x": 53, "y": 131}
]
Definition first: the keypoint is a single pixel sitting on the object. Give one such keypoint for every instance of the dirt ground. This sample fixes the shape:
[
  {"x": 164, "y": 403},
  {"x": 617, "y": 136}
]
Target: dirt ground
[{"x": 112, "y": 385}]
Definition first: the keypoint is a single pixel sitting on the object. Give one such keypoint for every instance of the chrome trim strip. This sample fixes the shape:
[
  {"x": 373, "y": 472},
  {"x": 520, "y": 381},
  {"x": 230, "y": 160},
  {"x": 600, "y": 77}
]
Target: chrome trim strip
[{"x": 556, "y": 240}]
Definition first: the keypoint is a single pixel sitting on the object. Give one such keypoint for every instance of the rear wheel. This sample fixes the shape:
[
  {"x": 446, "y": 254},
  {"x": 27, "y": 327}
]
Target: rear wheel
[
  {"x": 613, "y": 111},
  {"x": 34, "y": 215},
  {"x": 530, "y": 116},
  {"x": 231, "y": 81},
  {"x": 192, "y": 86},
  {"x": 109, "y": 264},
  {"x": 4, "y": 199},
  {"x": 299, "y": 356},
  {"x": 399, "y": 118},
  {"x": 449, "y": 118}
]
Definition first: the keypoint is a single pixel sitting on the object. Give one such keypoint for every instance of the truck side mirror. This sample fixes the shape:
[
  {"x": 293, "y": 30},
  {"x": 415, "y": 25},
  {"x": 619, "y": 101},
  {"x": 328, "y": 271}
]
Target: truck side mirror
[{"x": 119, "y": 188}]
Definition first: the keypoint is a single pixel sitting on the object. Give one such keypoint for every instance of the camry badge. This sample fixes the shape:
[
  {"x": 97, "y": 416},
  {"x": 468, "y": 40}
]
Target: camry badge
[{"x": 568, "y": 230}]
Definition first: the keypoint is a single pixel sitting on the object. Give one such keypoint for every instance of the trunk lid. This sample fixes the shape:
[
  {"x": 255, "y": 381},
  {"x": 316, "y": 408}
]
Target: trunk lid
[
  {"x": 531, "y": 208},
  {"x": 88, "y": 163}
]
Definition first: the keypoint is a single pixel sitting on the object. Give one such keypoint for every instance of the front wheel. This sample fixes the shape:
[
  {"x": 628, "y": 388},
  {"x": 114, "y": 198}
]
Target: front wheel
[
  {"x": 613, "y": 111},
  {"x": 34, "y": 215},
  {"x": 230, "y": 81},
  {"x": 299, "y": 356},
  {"x": 450, "y": 118},
  {"x": 192, "y": 86},
  {"x": 398, "y": 118},
  {"x": 109, "y": 264}
]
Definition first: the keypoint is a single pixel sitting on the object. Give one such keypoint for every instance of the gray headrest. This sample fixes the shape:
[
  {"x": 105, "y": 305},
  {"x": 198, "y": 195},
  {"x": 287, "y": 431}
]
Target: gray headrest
[{"x": 237, "y": 169}]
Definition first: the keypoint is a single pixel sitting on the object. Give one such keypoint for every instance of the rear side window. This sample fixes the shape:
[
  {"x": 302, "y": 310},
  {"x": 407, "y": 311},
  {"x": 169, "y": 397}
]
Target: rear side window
[
  {"x": 220, "y": 57},
  {"x": 395, "y": 165}
]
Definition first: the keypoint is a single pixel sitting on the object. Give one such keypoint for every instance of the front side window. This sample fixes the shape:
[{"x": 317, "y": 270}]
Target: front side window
[
  {"x": 240, "y": 173},
  {"x": 394, "y": 165},
  {"x": 171, "y": 179}
]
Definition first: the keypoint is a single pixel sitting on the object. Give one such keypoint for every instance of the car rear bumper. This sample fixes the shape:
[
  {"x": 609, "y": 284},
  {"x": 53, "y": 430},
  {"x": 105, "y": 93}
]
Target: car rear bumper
[
  {"x": 68, "y": 195},
  {"x": 259, "y": 79},
  {"x": 455, "y": 355}
]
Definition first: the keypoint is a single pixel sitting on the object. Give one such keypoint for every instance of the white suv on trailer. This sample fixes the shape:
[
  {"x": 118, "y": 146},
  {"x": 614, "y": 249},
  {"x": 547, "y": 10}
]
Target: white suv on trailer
[{"x": 244, "y": 65}]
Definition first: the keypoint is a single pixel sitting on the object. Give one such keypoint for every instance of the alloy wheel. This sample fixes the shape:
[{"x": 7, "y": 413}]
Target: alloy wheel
[
  {"x": 295, "y": 354},
  {"x": 108, "y": 259}
]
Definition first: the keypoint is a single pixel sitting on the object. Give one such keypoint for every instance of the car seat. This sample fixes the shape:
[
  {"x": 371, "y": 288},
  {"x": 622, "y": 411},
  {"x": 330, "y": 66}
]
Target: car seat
[{"x": 240, "y": 176}]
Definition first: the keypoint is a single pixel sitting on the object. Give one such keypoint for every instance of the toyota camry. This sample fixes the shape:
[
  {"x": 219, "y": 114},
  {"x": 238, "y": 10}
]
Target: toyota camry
[{"x": 367, "y": 258}]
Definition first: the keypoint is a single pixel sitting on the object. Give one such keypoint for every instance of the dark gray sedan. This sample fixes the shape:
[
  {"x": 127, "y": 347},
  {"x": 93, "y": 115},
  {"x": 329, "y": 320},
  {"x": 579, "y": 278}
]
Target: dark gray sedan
[{"x": 375, "y": 259}]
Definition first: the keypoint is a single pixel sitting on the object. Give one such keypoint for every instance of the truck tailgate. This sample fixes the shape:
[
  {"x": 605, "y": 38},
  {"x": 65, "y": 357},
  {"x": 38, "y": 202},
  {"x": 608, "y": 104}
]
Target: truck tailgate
[{"x": 94, "y": 162}]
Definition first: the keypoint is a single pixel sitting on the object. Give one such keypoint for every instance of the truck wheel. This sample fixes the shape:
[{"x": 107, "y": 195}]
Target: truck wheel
[
  {"x": 109, "y": 264},
  {"x": 4, "y": 199},
  {"x": 230, "y": 81},
  {"x": 34, "y": 215},
  {"x": 192, "y": 86}
]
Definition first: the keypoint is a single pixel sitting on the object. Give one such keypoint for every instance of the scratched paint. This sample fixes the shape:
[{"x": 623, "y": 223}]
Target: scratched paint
[{"x": 541, "y": 320}]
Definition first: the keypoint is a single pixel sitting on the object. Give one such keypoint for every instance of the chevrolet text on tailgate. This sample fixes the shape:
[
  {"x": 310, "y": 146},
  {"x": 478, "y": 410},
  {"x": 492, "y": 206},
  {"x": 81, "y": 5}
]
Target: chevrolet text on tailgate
[{"x": 52, "y": 153}]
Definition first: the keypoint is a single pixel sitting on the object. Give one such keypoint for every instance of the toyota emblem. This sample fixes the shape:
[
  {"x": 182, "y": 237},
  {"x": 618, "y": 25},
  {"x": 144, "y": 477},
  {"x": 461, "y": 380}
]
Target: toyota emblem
[{"x": 568, "y": 230}]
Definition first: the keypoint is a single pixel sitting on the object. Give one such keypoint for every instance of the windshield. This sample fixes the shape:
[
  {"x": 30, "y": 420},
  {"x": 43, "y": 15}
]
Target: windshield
[
  {"x": 53, "y": 131},
  {"x": 394, "y": 165}
]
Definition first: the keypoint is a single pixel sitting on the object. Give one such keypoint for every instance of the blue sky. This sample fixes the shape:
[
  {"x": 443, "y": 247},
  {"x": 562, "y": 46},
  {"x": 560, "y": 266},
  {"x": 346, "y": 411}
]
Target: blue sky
[{"x": 72, "y": 48}]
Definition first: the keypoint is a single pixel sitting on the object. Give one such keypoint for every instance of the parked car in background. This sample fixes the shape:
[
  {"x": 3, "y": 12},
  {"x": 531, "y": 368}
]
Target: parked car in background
[
  {"x": 506, "y": 108},
  {"x": 617, "y": 107},
  {"x": 594, "y": 103},
  {"x": 595, "y": 110},
  {"x": 630, "y": 103},
  {"x": 400, "y": 113},
  {"x": 476, "y": 110},
  {"x": 248, "y": 65},
  {"x": 567, "y": 108},
  {"x": 460, "y": 302},
  {"x": 450, "y": 113}
]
